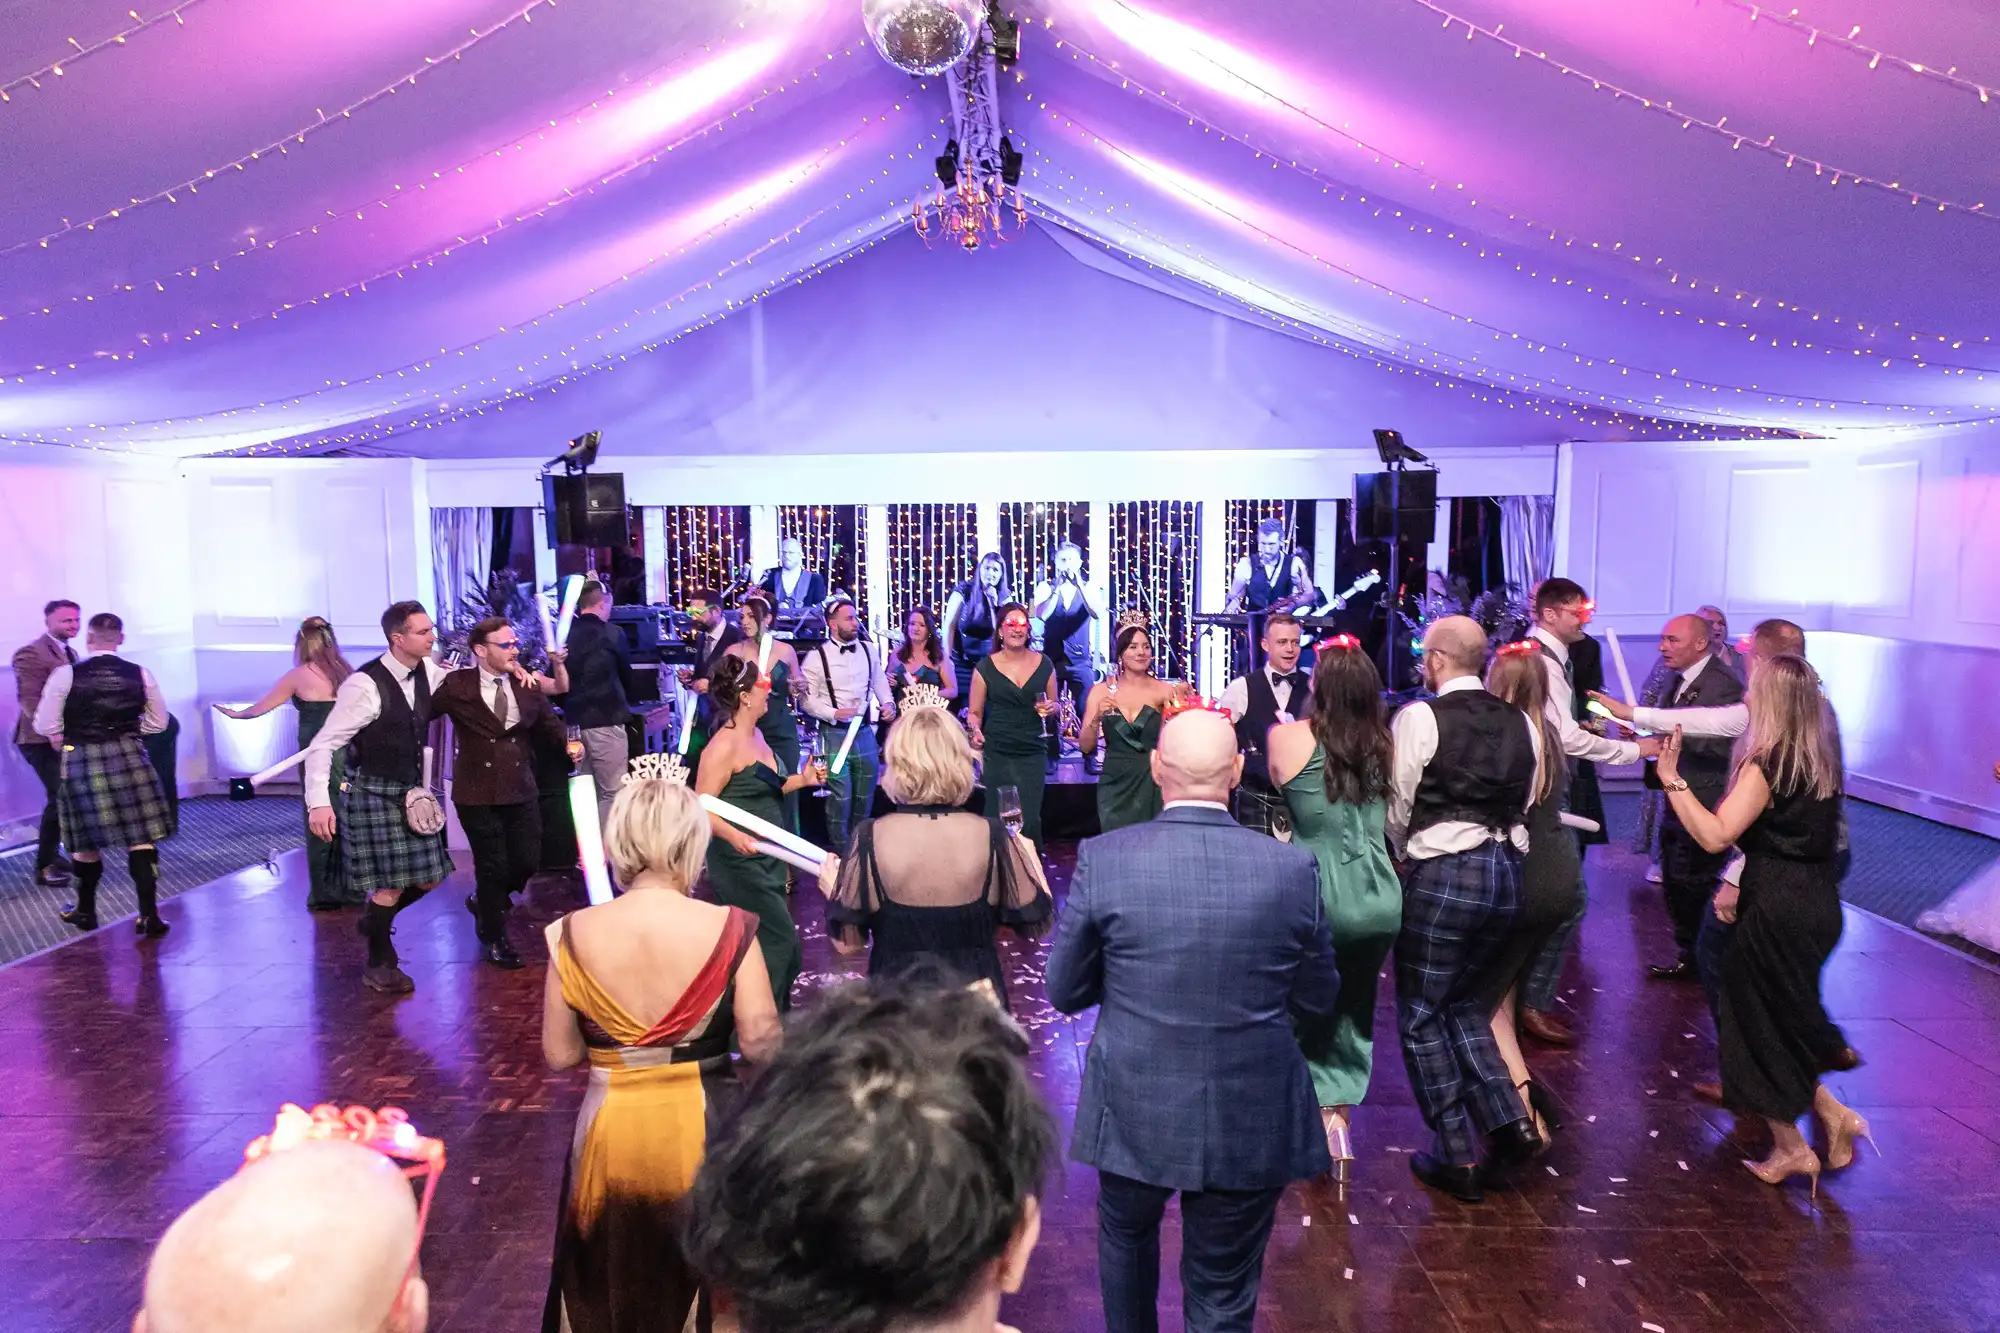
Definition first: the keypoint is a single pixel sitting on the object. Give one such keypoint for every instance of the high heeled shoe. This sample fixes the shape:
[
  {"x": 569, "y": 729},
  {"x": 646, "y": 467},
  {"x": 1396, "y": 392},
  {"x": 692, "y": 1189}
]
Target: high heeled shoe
[
  {"x": 1542, "y": 1103},
  {"x": 1340, "y": 1147},
  {"x": 1776, "y": 1169},
  {"x": 1840, "y": 1139}
]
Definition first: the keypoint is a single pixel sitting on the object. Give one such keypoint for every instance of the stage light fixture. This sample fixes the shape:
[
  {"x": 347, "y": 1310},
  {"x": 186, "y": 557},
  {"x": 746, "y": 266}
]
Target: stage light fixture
[
  {"x": 947, "y": 166},
  {"x": 1389, "y": 444},
  {"x": 1011, "y": 162},
  {"x": 1006, "y": 35}
]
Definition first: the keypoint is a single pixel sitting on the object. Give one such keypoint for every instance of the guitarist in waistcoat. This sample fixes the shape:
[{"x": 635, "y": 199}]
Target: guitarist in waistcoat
[
  {"x": 384, "y": 710},
  {"x": 1271, "y": 580},
  {"x": 1278, "y": 691}
]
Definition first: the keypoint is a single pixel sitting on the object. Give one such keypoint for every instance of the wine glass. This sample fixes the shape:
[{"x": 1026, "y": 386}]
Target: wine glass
[
  {"x": 1010, "y": 809},
  {"x": 574, "y": 745},
  {"x": 816, "y": 759}
]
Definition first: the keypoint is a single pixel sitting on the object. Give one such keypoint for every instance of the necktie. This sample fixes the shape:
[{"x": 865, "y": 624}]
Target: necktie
[
  {"x": 500, "y": 700},
  {"x": 69, "y": 653},
  {"x": 1680, "y": 686}
]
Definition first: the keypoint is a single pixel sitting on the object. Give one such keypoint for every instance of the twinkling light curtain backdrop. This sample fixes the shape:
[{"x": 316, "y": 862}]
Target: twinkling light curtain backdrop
[
  {"x": 1245, "y": 515},
  {"x": 932, "y": 549},
  {"x": 1030, "y": 532},
  {"x": 1155, "y": 560},
  {"x": 835, "y": 538},
  {"x": 706, "y": 546}
]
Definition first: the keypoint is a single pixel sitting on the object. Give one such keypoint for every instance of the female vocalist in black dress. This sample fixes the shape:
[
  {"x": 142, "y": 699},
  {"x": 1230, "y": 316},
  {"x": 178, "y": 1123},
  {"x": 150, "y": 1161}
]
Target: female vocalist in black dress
[
  {"x": 1783, "y": 812},
  {"x": 972, "y": 617}
]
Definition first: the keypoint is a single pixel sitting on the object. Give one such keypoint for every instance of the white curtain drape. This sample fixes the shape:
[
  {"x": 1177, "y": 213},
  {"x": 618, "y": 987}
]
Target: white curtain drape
[
  {"x": 1527, "y": 539},
  {"x": 461, "y": 560}
]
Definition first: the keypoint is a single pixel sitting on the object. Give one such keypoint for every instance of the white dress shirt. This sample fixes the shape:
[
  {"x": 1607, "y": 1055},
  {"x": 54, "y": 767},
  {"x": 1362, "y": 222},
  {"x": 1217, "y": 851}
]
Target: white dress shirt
[
  {"x": 1577, "y": 742},
  {"x": 1416, "y": 736},
  {"x": 857, "y": 676},
  {"x": 1195, "y": 805},
  {"x": 356, "y": 705},
  {"x": 49, "y": 712},
  {"x": 509, "y": 713},
  {"x": 1235, "y": 699}
]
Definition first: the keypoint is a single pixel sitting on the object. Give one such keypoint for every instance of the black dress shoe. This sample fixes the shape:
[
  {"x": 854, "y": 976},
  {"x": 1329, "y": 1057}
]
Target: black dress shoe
[
  {"x": 501, "y": 954},
  {"x": 52, "y": 877},
  {"x": 1679, "y": 971},
  {"x": 1460, "y": 1182},
  {"x": 1513, "y": 1145},
  {"x": 80, "y": 919},
  {"x": 150, "y": 927}
]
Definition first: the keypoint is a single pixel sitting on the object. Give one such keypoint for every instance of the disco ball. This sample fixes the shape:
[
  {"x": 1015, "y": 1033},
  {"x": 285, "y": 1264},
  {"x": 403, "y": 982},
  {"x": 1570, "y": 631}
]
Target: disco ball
[{"x": 922, "y": 36}]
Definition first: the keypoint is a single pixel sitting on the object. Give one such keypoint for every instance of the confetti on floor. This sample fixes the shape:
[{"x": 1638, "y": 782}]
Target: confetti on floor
[
  {"x": 1618, "y": 1180},
  {"x": 1347, "y": 1273},
  {"x": 1653, "y": 1328},
  {"x": 1683, "y": 1166},
  {"x": 1652, "y": 1133},
  {"x": 1620, "y": 1263},
  {"x": 1580, "y": 1281},
  {"x": 1353, "y": 1219},
  {"x": 1581, "y": 1209}
]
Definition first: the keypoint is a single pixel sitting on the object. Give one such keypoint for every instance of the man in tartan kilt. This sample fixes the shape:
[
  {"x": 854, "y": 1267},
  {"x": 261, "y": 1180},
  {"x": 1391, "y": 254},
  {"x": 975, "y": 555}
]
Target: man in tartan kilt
[
  {"x": 384, "y": 709},
  {"x": 1464, "y": 777},
  {"x": 1276, "y": 692},
  {"x": 108, "y": 794}
]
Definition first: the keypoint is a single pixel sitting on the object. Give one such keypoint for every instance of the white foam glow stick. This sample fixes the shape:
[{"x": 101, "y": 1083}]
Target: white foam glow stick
[
  {"x": 589, "y": 838},
  {"x": 684, "y": 700},
  {"x": 548, "y": 625},
  {"x": 572, "y": 589},
  {"x": 1624, "y": 672},
  {"x": 764, "y": 829},
  {"x": 847, "y": 743},
  {"x": 1579, "y": 822},
  {"x": 764, "y": 653},
  {"x": 772, "y": 850},
  {"x": 259, "y": 779}
]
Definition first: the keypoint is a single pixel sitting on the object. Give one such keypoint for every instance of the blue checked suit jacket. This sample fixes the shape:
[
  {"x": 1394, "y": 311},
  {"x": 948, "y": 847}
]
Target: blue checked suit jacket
[{"x": 1198, "y": 940}]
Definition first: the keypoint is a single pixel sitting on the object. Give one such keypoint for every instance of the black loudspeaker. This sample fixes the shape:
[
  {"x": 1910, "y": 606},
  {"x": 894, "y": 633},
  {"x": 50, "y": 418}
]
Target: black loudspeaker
[
  {"x": 586, "y": 511},
  {"x": 1416, "y": 492}
]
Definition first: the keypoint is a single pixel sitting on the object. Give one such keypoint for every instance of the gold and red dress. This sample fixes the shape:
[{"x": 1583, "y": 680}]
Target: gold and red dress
[{"x": 655, "y": 1095}]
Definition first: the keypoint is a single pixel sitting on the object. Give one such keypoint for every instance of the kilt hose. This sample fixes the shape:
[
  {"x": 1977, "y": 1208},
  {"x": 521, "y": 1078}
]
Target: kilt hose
[
  {"x": 109, "y": 797},
  {"x": 380, "y": 850},
  {"x": 1457, "y": 912}
]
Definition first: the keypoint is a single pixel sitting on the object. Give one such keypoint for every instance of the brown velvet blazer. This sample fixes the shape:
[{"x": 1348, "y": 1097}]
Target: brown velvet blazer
[{"x": 491, "y": 766}]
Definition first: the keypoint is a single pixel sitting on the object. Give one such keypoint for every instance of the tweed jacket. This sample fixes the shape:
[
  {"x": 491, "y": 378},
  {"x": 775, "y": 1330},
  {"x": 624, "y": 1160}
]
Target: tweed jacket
[
  {"x": 491, "y": 766},
  {"x": 33, "y": 663},
  {"x": 1198, "y": 940}
]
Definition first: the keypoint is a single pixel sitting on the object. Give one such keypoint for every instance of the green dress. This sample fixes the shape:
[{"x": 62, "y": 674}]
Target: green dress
[
  {"x": 781, "y": 730},
  {"x": 1364, "y": 910},
  {"x": 1126, "y": 792},
  {"x": 1016, "y": 753},
  {"x": 327, "y": 886},
  {"x": 757, "y": 883}
]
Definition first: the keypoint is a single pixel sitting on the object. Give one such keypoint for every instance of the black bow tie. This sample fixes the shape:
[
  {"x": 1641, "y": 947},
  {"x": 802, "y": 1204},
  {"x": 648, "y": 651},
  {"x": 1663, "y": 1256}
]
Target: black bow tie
[{"x": 849, "y": 647}]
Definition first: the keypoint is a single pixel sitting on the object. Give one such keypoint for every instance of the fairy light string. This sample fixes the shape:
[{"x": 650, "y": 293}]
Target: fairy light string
[
  {"x": 55, "y": 69},
  {"x": 1718, "y": 127},
  {"x": 1875, "y": 55},
  {"x": 1676, "y": 275},
  {"x": 402, "y": 191},
  {"x": 284, "y": 143}
]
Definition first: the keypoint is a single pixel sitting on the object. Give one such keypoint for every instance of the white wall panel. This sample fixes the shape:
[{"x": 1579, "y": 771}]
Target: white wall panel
[
  {"x": 1978, "y": 545},
  {"x": 356, "y": 577},
  {"x": 1879, "y": 537},
  {"x": 1636, "y": 525},
  {"x": 1773, "y": 542}
]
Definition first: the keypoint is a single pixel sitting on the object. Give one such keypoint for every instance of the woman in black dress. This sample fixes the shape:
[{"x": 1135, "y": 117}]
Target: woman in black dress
[
  {"x": 972, "y": 620},
  {"x": 930, "y": 883},
  {"x": 1551, "y": 876},
  {"x": 1783, "y": 811}
]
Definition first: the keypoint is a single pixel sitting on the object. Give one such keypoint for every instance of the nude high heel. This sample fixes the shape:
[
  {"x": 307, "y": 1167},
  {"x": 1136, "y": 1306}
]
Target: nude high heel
[
  {"x": 1338, "y": 1145},
  {"x": 1778, "y": 1168},
  {"x": 1840, "y": 1137}
]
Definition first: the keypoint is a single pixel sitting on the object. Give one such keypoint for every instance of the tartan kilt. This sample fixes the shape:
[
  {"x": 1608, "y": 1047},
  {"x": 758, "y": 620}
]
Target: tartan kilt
[
  {"x": 109, "y": 797},
  {"x": 1264, "y": 810},
  {"x": 379, "y": 849}
]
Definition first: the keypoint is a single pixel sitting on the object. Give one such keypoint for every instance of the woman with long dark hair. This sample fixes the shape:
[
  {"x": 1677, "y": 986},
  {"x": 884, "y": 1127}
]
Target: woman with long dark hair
[
  {"x": 317, "y": 670},
  {"x": 1335, "y": 769},
  {"x": 1551, "y": 874},
  {"x": 1782, "y": 811},
  {"x": 1129, "y": 708},
  {"x": 779, "y": 664},
  {"x": 920, "y": 659},
  {"x": 737, "y": 765},
  {"x": 972, "y": 616},
  {"x": 1009, "y": 707}
]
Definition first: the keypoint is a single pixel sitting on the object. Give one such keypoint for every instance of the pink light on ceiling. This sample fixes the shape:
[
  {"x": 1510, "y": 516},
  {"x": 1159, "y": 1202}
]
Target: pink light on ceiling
[{"x": 1203, "y": 56}]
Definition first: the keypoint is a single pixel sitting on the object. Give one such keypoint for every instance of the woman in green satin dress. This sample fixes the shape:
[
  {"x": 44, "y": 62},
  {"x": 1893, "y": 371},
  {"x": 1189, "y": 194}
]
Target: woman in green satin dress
[
  {"x": 737, "y": 765},
  {"x": 1011, "y": 702},
  {"x": 1334, "y": 769},
  {"x": 779, "y": 725},
  {"x": 1128, "y": 709},
  {"x": 318, "y": 668},
  {"x": 921, "y": 660}
]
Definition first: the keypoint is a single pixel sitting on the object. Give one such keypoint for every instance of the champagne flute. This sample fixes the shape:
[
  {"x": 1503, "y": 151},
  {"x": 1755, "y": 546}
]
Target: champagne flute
[
  {"x": 1010, "y": 810},
  {"x": 574, "y": 745},
  {"x": 816, "y": 760}
]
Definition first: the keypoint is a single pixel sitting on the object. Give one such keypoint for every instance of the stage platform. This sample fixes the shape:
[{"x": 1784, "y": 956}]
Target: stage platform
[{"x": 132, "y": 1076}]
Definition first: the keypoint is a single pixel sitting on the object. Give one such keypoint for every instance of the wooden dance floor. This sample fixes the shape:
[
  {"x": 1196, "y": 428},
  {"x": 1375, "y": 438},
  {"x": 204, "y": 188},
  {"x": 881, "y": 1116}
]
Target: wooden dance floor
[{"x": 131, "y": 1078}]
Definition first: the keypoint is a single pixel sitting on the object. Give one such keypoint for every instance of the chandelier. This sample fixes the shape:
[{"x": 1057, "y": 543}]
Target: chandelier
[{"x": 979, "y": 195}]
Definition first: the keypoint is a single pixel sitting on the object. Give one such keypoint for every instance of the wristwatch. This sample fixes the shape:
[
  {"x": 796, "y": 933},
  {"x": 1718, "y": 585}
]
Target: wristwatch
[{"x": 1678, "y": 784}]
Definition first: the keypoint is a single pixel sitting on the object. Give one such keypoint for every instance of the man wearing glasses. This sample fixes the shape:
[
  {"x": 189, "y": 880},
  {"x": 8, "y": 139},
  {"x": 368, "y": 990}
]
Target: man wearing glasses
[{"x": 498, "y": 716}]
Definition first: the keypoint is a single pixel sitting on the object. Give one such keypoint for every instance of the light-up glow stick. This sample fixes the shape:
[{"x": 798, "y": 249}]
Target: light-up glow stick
[
  {"x": 1579, "y": 822},
  {"x": 1624, "y": 672},
  {"x": 764, "y": 652},
  {"x": 684, "y": 700},
  {"x": 589, "y": 838},
  {"x": 1599, "y": 709},
  {"x": 259, "y": 779},
  {"x": 847, "y": 743},
  {"x": 777, "y": 853},
  {"x": 764, "y": 829},
  {"x": 548, "y": 625},
  {"x": 572, "y": 589}
]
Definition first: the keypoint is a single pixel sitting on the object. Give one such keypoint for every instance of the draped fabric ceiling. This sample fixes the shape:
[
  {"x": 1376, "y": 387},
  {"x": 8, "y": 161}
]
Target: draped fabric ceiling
[{"x": 476, "y": 227}]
